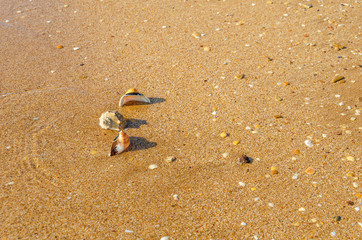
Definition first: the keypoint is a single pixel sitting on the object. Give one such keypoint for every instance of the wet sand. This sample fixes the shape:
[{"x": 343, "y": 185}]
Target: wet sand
[{"x": 260, "y": 71}]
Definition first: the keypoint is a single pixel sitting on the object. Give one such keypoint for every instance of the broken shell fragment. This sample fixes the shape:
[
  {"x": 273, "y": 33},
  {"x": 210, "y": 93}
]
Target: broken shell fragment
[
  {"x": 112, "y": 120},
  {"x": 120, "y": 143},
  {"x": 133, "y": 95}
]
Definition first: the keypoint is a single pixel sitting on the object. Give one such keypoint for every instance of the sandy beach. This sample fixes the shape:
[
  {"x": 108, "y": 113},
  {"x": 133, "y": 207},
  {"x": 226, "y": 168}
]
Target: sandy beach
[{"x": 277, "y": 81}]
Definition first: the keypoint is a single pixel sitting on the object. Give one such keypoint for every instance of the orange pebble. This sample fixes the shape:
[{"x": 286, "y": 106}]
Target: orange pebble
[{"x": 60, "y": 46}]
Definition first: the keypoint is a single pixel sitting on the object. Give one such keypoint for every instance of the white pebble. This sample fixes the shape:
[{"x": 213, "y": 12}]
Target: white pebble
[
  {"x": 10, "y": 183},
  {"x": 337, "y": 96},
  {"x": 302, "y": 209},
  {"x": 175, "y": 197},
  {"x": 358, "y": 112},
  {"x": 225, "y": 155},
  {"x": 129, "y": 231},
  {"x": 295, "y": 176},
  {"x": 76, "y": 48},
  {"x": 214, "y": 113},
  {"x": 164, "y": 26},
  {"x": 256, "y": 199},
  {"x": 165, "y": 238},
  {"x": 243, "y": 224},
  {"x": 360, "y": 223},
  {"x": 333, "y": 233},
  {"x": 242, "y": 184},
  {"x": 357, "y": 209},
  {"x": 341, "y": 104},
  {"x": 324, "y": 135},
  {"x": 271, "y": 204},
  {"x": 153, "y": 166},
  {"x": 247, "y": 128},
  {"x": 355, "y": 185},
  {"x": 308, "y": 143}
]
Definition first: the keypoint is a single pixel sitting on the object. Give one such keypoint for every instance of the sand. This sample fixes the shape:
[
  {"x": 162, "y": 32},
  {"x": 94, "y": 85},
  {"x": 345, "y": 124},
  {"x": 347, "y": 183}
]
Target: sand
[{"x": 260, "y": 71}]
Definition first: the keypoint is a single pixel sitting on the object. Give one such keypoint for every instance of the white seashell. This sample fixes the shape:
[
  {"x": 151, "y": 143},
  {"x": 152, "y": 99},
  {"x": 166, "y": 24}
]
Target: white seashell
[
  {"x": 133, "y": 96},
  {"x": 120, "y": 143},
  {"x": 112, "y": 120}
]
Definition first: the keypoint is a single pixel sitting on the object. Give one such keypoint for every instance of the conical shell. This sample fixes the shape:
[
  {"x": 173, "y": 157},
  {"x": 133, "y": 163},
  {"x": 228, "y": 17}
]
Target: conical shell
[
  {"x": 112, "y": 120},
  {"x": 132, "y": 95},
  {"x": 120, "y": 143}
]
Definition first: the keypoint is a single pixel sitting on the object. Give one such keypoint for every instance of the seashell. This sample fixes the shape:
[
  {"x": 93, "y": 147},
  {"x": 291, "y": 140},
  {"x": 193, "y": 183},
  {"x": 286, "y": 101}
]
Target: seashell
[
  {"x": 120, "y": 143},
  {"x": 112, "y": 120},
  {"x": 133, "y": 95}
]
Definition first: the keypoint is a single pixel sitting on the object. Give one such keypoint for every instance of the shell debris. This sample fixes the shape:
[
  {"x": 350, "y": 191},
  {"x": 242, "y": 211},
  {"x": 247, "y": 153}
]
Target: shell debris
[
  {"x": 133, "y": 96},
  {"x": 120, "y": 143},
  {"x": 112, "y": 120}
]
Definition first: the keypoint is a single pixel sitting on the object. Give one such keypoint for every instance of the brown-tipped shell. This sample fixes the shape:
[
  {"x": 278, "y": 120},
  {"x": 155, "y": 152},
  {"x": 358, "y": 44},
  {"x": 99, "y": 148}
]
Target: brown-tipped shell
[
  {"x": 120, "y": 143},
  {"x": 112, "y": 120},
  {"x": 133, "y": 96}
]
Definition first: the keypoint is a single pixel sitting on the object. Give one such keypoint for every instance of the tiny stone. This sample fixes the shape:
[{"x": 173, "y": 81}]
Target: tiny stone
[
  {"x": 207, "y": 49},
  {"x": 295, "y": 176},
  {"x": 341, "y": 104},
  {"x": 310, "y": 170},
  {"x": 153, "y": 166},
  {"x": 313, "y": 220},
  {"x": 333, "y": 233},
  {"x": 244, "y": 159},
  {"x": 357, "y": 209},
  {"x": 165, "y": 238},
  {"x": 243, "y": 224},
  {"x": 274, "y": 170},
  {"x": 350, "y": 158},
  {"x": 240, "y": 76},
  {"x": 355, "y": 185},
  {"x": 93, "y": 152},
  {"x": 60, "y": 46},
  {"x": 353, "y": 118},
  {"x": 175, "y": 197},
  {"x": 223, "y": 135},
  {"x": 337, "y": 218},
  {"x": 225, "y": 155},
  {"x": 337, "y": 95},
  {"x": 302, "y": 209},
  {"x": 170, "y": 159},
  {"x": 236, "y": 142},
  {"x": 242, "y": 184},
  {"x": 129, "y": 231},
  {"x": 337, "y": 79},
  {"x": 296, "y": 151},
  {"x": 277, "y": 98},
  {"x": 214, "y": 113},
  {"x": 10, "y": 183},
  {"x": 271, "y": 204},
  {"x": 308, "y": 143},
  {"x": 196, "y": 35},
  {"x": 76, "y": 48},
  {"x": 349, "y": 202}
]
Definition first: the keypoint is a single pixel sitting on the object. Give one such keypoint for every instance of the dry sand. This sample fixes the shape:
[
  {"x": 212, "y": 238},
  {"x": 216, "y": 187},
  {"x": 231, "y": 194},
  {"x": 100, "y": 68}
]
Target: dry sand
[{"x": 57, "y": 180}]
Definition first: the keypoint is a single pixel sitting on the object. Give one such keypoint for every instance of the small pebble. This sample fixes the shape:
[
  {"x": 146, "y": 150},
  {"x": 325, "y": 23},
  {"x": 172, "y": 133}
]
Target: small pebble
[
  {"x": 225, "y": 155},
  {"x": 274, "y": 170},
  {"x": 129, "y": 231},
  {"x": 296, "y": 151},
  {"x": 207, "y": 49},
  {"x": 308, "y": 143},
  {"x": 76, "y": 48},
  {"x": 170, "y": 159},
  {"x": 152, "y": 166},
  {"x": 244, "y": 159},
  {"x": 240, "y": 76},
  {"x": 60, "y": 46},
  {"x": 350, "y": 158},
  {"x": 223, "y": 135},
  {"x": 333, "y": 234},
  {"x": 295, "y": 176},
  {"x": 337, "y": 95},
  {"x": 236, "y": 142},
  {"x": 349, "y": 202},
  {"x": 165, "y": 238},
  {"x": 337, "y": 218},
  {"x": 271, "y": 204},
  {"x": 337, "y": 79},
  {"x": 242, "y": 184},
  {"x": 243, "y": 224},
  {"x": 310, "y": 170},
  {"x": 355, "y": 185},
  {"x": 175, "y": 197},
  {"x": 302, "y": 209},
  {"x": 357, "y": 209},
  {"x": 196, "y": 35}
]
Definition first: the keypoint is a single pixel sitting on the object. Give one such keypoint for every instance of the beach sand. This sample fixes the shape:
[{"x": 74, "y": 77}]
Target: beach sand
[{"x": 260, "y": 71}]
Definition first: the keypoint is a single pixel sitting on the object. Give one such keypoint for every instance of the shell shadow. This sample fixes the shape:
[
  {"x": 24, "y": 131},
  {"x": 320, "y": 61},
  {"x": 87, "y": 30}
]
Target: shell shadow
[
  {"x": 135, "y": 123},
  {"x": 140, "y": 143},
  {"x": 157, "y": 100}
]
